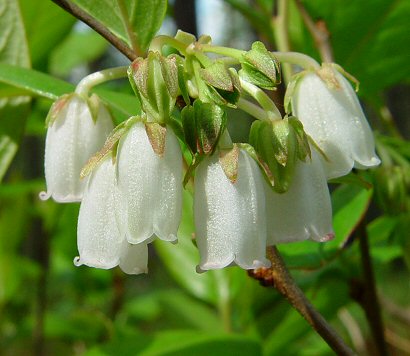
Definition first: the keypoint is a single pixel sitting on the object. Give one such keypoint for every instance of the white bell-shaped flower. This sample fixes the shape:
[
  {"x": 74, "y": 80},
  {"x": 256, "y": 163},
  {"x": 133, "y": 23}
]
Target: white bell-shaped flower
[
  {"x": 230, "y": 218},
  {"x": 150, "y": 186},
  {"x": 304, "y": 211},
  {"x": 72, "y": 138},
  {"x": 331, "y": 114},
  {"x": 100, "y": 243}
]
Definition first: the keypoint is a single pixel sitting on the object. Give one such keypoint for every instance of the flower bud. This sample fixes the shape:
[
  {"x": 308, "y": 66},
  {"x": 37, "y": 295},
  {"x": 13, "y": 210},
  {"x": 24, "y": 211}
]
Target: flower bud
[
  {"x": 230, "y": 218},
  {"x": 331, "y": 114},
  {"x": 260, "y": 67},
  {"x": 74, "y": 134},
  {"x": 155, "y": 81}
]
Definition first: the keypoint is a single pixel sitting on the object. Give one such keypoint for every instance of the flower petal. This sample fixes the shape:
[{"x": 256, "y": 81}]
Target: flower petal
[
  {"x": 71, "y": 140},
  {"x": 98, "y": 237},
  {"x": 134, "y": 258},
  {"x": 229, "y": 217},
  {"x": 150, "y": 186},
  {"x": 334, "y": 118},
  {"x": 304, "y": 211}
]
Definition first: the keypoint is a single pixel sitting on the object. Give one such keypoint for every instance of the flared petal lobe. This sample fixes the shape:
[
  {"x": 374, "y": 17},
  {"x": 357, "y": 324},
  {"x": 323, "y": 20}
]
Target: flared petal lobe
[
  {"x": 333, "y": 117},
  {"x": 230, "y": 217},
  {"x": 150, "y": 186},
  {"x": 100, "y": 243},
  {"x": 71, "y": 140},
  {"x": 304, "y": 211}
]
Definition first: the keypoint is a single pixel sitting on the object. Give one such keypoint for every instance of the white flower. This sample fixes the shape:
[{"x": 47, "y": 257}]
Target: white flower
[
  {"x": 150, "y": 186},
  {"x": 304, "y": 211},
  {"x": 72, "y": 138},
  {"x": 230, "y": 217},
  {"x": 331, "y": 114},
  {"x": 100, "y": 243}
]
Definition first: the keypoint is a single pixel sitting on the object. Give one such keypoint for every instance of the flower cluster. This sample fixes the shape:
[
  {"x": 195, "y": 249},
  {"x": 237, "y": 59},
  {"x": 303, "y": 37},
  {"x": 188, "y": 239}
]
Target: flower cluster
[{"x": 246, "y": 195}]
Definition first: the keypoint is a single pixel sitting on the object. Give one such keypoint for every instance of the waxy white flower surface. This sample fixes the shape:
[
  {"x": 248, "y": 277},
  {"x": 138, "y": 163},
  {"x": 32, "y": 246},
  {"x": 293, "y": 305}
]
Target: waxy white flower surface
[
  {"x": 230, "y": 218},
  {"x": 331, "y": 114},
  {"x": 72, "y": 138},
  {"x": 305, "y": 210},
  {"x": 100, "y": 243},
  {"x": 150, "y": 186}
]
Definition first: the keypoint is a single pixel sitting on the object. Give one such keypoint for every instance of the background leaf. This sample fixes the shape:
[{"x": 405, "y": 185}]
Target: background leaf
[
  {"x": 13, "y": 111},
  {"x": 144, "y": 18}
]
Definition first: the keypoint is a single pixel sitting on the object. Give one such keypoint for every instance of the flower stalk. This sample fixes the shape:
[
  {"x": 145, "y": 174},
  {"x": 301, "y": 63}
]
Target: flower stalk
[{"x": 279, "y": 277}]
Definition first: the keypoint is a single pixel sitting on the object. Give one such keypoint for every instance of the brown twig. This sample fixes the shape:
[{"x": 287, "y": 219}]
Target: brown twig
[
  {"x": 319, "y": 33},
  {"x": 279, "y": 277},
  {"x": 80, "y": 14},
  {"x": 370, "y": 301}
]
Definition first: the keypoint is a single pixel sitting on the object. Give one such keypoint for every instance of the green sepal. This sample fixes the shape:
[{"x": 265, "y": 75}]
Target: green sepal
[
  {"x": 185, "y": 37},
  {"x": 182, "y": 79},
  {"x": 229, "y": 161},
  {"x": 94, "y": 103},
  {"x": 223, "y": 83},
  {"x": 277, "y": 145},
  {"x": 203, "y": 125},
  {"x": 347, "y": 75},
  {"x": 155, "y": 81},
  {"x": 196, "y": 160},
  {"x": 156, "y": 135},
  {"x": 210, "y": 122},
  {"x": 290, "y": 90},
  {"x": 189, "y": 127},
  {"x": 56, "y": 108},
  {"x": 260, "y": 67},
  {"x": 303, "y": 148},
  {"x": 204, "y": 40},
  {"x": 110, "y": 145}
]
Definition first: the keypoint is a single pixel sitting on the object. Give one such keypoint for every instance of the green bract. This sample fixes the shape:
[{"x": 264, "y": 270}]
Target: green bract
[
  {"x": 260, "y": 67},
  {"x": 280, "y": 144},
  {"x": 155, "y": 81},
  {"x": 203, "y": 125}
]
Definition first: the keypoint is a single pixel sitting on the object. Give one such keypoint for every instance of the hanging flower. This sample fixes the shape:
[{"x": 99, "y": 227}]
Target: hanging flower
[
  {"x": 100, "y": 243},
  {"x": 304, "y": 211},
  {"x": 230, "y": 217},
  {"x": 331, "y": 114},
  {"x": 74, "y": 134},
  {"x": 149, "y": 169}
]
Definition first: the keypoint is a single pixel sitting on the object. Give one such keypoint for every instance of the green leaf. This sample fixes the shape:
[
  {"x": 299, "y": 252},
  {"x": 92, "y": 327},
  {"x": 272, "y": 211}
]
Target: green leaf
[
  {"x": 44, "y": 85},
  {"x": 46, "y": 26},
  {"x": 374, "y": 48},
  {"x": 13, "y": 111},
  {"x": 144, "y": 18},
  {"x": 188, "y": 343},
  {"x": 350, "y": 202},
  {"x": 77, "y": 48}
]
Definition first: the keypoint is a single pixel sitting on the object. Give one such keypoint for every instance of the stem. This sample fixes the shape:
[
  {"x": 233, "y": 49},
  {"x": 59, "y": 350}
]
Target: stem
[
  {"x": 279, "y": 24},
  {"x": 319, "y": 33},
  {"x": 370, "y": 302},
  {"x": 263, "y": 99},
  {"x": 80, "y": 14},
  {"x": 252, "y": 109},
  {"x": 300, "y": 59},
  {"x": 131, "y": 35},
  {"x": 85, "y": 85},
  {"x": 160, "y": 41},
  {"x": 284, "y": 283}
]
